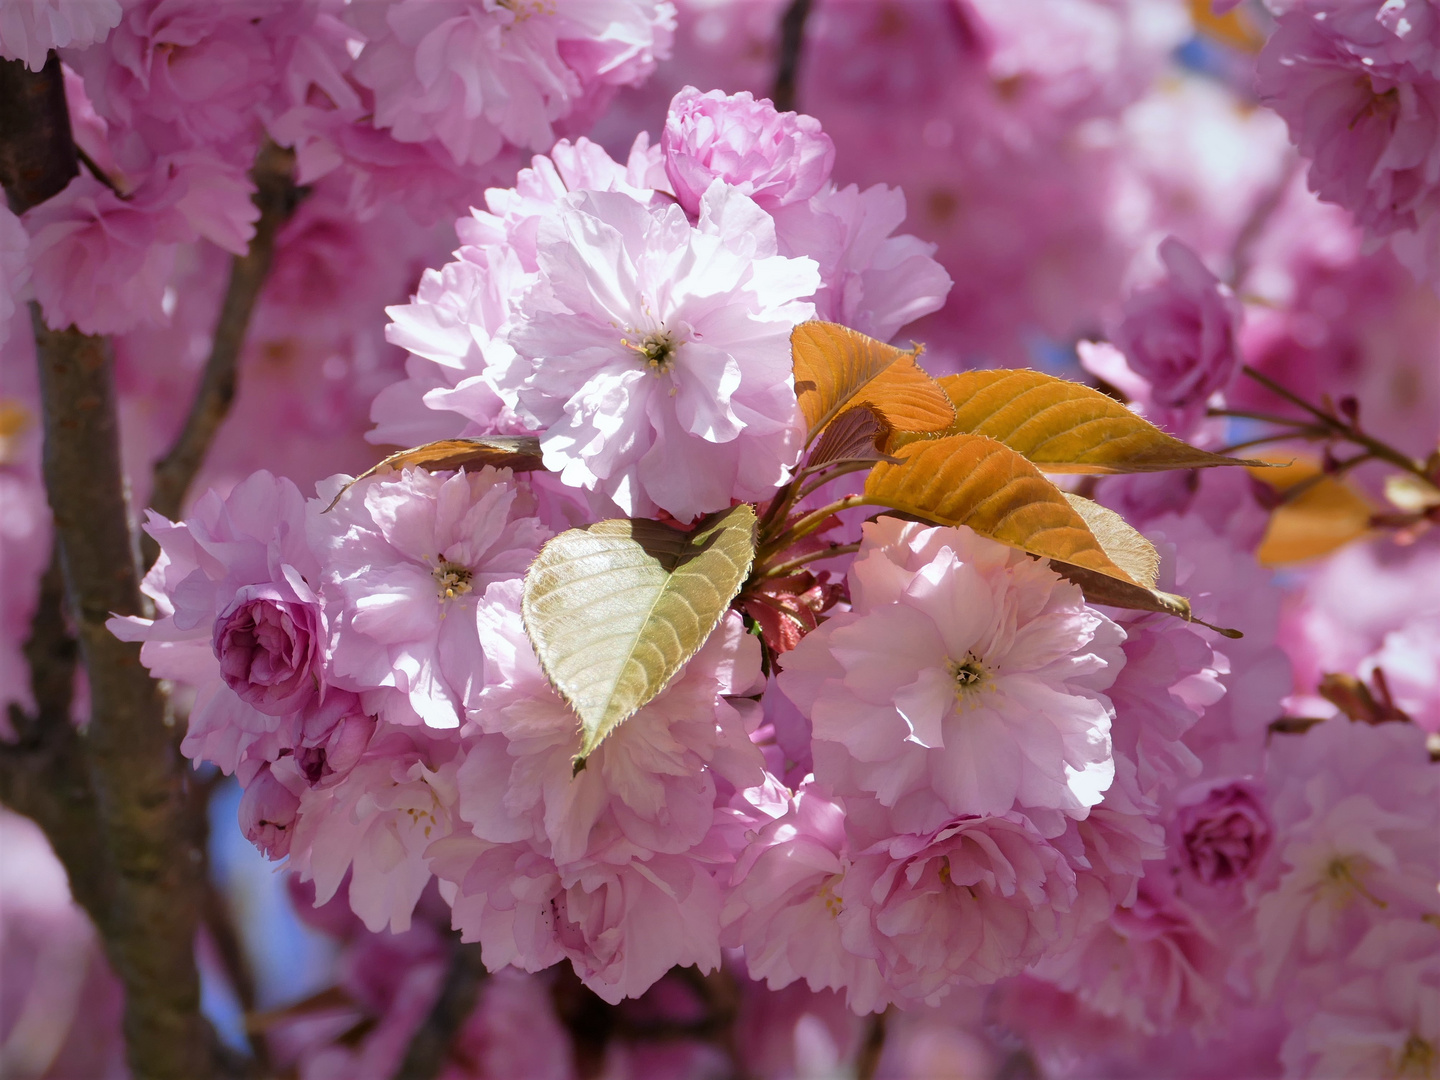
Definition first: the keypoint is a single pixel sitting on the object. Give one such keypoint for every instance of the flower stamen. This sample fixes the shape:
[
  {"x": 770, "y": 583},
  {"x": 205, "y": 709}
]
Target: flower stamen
[
  {"x": 658, "y": 348},
  {"x": 452, "y": 579},
  {"x": 970, "y": 676}
]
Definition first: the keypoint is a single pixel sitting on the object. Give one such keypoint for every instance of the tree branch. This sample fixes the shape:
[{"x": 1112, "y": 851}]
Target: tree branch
[
  {"x": 37, "y": 151},
  {"x": 134, "y": 769},
  {"x": 430, "y": 1045},
  {"x": 136, "y": 788},
  {"x": 787, "y": 68},
  {"x": 275, "y": 196},
  {"x": 43, "y": 773}
]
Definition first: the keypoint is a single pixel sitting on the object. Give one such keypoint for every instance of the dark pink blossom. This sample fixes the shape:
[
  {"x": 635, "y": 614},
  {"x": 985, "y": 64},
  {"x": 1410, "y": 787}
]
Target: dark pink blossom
[{"x": 1224, "y": 834}]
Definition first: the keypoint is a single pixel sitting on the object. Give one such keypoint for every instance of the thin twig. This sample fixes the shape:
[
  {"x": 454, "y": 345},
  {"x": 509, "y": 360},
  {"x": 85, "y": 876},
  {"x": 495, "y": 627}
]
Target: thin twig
[
  {"x": 430, "y": 1045},
  {"x": 787, "y": 67},
  {"x": 830, "y": 551},
  {"x": 275, "y": 196},
  {"x": 804, "y": 526},
  {"x": 1340, "y": 428}
]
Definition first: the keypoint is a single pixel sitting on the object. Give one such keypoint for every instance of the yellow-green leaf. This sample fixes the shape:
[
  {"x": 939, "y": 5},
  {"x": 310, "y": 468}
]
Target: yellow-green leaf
[
  {"x": 1122, "y": 541},
  {"x": 1065, "y": 427},
  {"x": 518, "y": 452},
  {"x": 835, "y": 366},
  {"x": 616, "y": 609},
  {"x": 973, "y": 480}
]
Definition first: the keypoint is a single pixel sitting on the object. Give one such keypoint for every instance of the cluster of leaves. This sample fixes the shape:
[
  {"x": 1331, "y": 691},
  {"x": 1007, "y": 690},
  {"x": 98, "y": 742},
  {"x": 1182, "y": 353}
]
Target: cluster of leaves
[{"x": 615, "y": 609}]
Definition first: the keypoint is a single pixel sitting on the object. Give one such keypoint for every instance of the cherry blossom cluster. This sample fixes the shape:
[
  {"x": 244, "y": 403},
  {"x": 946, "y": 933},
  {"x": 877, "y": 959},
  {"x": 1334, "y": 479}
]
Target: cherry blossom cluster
[{"x": 924, "y": 787}]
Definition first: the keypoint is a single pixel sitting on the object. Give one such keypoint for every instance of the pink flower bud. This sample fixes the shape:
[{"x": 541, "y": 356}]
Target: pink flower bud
[{"x": 267, "y": 814}]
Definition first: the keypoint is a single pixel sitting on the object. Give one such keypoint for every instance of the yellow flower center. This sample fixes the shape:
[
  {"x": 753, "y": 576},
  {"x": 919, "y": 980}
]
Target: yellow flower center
[
  {"x": 451, "y": 580},
  {"x": 971, "y": 676}
]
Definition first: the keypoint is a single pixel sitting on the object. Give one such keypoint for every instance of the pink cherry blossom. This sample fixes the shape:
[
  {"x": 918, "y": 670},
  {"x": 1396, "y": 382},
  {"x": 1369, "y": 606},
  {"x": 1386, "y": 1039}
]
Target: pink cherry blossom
[
  {"x": 784, "y": 905},
  {"x": 267, "y": 814},
  {"x": 240, "y": 621},
  {"x": 775, "y": 158},
  {"x": 1225, "y": 833},
  {"x": 1378, "y": 1013},
  {"x": 871, "y": 280},
  {"x": 1153, "y": 965},
  {"x": 376, "y": 823},
  {"x": 1356, "y": 814},
  {"x": 1367, "y": 118},
  {"x": 659, "y": 366},
  {"x": 408, "y": 560},
  {"x": 474, "y": 76},
  {"x": 29, "y": 29},
  {"x": 1181, "y": 337},
  {"x": 966, "y": 679},
  {"x": 98, "y": 261},
  {"x": 977, "y": 900}
]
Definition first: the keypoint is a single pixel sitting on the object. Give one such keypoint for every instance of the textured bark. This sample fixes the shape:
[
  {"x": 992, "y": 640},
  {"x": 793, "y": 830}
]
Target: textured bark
[
  {"x": 134, "y": 768},
  {"x": 111, "y": 799},
  {"x": 275, "y": 196},
  {"x": 37, "y": 152}
]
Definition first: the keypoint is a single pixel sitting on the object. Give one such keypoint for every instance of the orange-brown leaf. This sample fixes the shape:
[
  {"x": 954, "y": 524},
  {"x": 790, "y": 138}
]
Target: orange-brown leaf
[
  {"x": 835, "y": 366},
  {"x": 518, "y": 452},
  {"x": 1065, "y": 427},
  {"x": 1314, "y": 520},
  {"x": 975, "y": 481}
]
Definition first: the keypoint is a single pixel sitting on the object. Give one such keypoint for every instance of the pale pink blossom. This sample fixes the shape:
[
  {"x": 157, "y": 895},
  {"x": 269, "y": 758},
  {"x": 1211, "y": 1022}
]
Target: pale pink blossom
[
  {"x": 871, "y": 280},
  {"x": 102, "y": 262},
  {"x": 187, "y": 73},
  {"x": 376, "y": 823},
  {"x": 1356, "y": 810},
  {"x": 1378, "y": 1014},
  {"x": 62, "y": 1008},
  {"x": 620, "y": 926},
  {"x": 972, "y": 902},
  {"x": 658, "y": 352},
  {"x": 784, "y": 904},
  {"x": 408, "y": 559},
  {"x": 775, "y": 158},
  {"x": 29, "y": 29},
  {"x": 451, "y": 327},
  {"x": 476, "y": 75},
  {"x": 966, "y": 680},
  {"x": 267, "y": 814},
  {"x": 1154, "y": 965}
]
